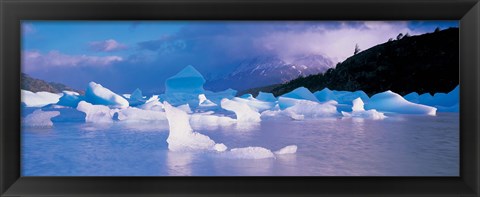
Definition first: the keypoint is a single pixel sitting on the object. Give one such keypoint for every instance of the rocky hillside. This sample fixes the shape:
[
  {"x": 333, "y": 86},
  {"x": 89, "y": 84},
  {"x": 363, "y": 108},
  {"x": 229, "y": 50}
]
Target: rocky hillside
[
  {"x": 423, "y": 63},
  {"x": 37, "y": 85}
]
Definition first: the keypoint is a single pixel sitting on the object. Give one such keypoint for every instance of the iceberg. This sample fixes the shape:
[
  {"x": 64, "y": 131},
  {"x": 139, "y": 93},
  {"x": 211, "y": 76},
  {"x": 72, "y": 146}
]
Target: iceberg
[
  {"x": 96, "y": 113},
  {"x": 185, "y": 108},
  {"x": 301, "y": 93},
  {"x": 243, "y": 112},
  {"x": 302, "y": 109},
  {"x": 39, "y": 99},
  {"x": 325, "y": 95},
  {"x": 250, "y": 153},
  {"x": 247, "y": 96},
  {"x": 255, "y": 104},
  {"x": 392, "y": 102},
  {"x": 181, "y": 135},
  {"x": 292, "y": 149},
  {"x": 136, "y": 98},
  {"x": 188, "y": 80},
  {"x": 152, "y": 105},
  {"x": 203, "y": 121},
  {"x": 358, "y": 111},
  {"x": 346, "y": 97},
  {"x": 138, "y": 115},
  {"x": 40, "y": 118},
  {"x": 267, "y": 97},
  {"x": 98, "y": 95},
  {"x": 412, "y": 97},
  {"x": 310, "y": 109},
  {"x": 70, "y": 99},
  {"x": 204, "y": 102},
  {"x": 444, "y": 102}
]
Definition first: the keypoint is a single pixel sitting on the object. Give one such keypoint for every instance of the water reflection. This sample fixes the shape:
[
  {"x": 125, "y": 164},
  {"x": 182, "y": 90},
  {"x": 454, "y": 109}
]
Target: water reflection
[{"x": 179, "y": 163}]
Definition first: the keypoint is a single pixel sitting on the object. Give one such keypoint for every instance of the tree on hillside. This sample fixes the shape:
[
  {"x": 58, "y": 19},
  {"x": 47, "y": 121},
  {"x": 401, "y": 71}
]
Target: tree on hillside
[{"x": 357, "y": 49}]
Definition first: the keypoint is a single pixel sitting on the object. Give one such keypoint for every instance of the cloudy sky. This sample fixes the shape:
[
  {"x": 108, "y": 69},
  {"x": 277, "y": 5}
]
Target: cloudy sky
[{"x": 130, "y": 54}]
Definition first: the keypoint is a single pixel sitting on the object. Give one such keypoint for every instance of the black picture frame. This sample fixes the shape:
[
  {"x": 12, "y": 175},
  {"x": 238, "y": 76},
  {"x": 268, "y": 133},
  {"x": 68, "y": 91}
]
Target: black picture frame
[{"x": 13, "y": 11}]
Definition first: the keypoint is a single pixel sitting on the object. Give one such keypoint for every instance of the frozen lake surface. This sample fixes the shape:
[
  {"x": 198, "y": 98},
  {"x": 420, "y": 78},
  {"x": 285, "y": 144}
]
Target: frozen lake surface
[{"x": 403, "y": 145}]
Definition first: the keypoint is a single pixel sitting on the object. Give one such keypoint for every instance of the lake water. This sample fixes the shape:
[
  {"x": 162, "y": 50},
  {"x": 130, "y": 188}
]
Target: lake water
[{"x": 397, "y": 146}]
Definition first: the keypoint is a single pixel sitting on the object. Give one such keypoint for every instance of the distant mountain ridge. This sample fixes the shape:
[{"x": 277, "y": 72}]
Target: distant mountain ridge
[
  {"x": 38, "y": 85},
  {"x": 423, "y": 63},
  {"x": 268, "y": 70}
]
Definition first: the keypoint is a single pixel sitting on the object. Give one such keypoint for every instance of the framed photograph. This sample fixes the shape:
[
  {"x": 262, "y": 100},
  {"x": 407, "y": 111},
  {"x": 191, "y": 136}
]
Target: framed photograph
[{"x": 243, "y": 98}]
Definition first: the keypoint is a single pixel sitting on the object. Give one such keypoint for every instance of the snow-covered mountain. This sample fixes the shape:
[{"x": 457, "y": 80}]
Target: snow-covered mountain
[{"x": 268, "y": 70}]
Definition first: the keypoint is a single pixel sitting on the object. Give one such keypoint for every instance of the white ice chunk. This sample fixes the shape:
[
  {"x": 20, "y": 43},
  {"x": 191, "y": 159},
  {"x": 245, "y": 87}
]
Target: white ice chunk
[
  {"x": 391, "y": 102},
  {"x": 268, "y": 97},
  {"x": 358, "y": 111},
  {"x": 301, "y": 93},
  {"x": 40, "y": 118},
  {"x": 136, "y": 114},
  {"x": 181, "y": 135},
  {"x": 153, "y": 105},
  {"x": 204, "y": 102},
  {"x": 220, "y": 147},
  {"x": 243, "y": 112},
  {"x": 292, "y": 149},
  {"x": 255, "y": 104},
  {"x": 298, "y": 109},
  {"x": 199, "y": 120},
  {"x": 188, "y": 80},
  {"x": 96, "y": 113},
  {"x": 185, "y": 108},
  {"x": 99, "y": 95},
  {"x": 38, "y": 99},
  {"x": 70, "y": 99},
  {"x": 250, "y": 153}
]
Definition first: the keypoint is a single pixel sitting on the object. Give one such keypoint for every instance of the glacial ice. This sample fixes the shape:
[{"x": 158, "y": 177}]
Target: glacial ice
[
  {"x": 267, "y": 97},
  {"x": 243, "y": 112},
  {"x": 250, "y": 153},
  {"x": 358, "y": 111},
  {"x": 325, "y": 95},
  {"x": 181, "y": 135},
  {"x": 138, "y": 115},
  {"x": 185, "y": 108},
  {"x": 444, "y": 102},
  {"x": 96, "y": 113},
  {"x": 204, "y": 102},
  {"x": 39, "y": 99},
  {"x": 199, "y": 120},
  {"x": 392, "y": 102},
  {"x": 98, "y": 95},
  {"x": 346, "y": 97},
  {"x": 247, "y": 96},
  {"x": 298, "y": 109},
  {"x": 255, "y": 104},
  {"x": 292, "y": 149},
  {"x": 40, "y": 118},
  {"x": 301, "y": 93},
  {"x": 153, "y": 105},
  {"x": 70, "y": 99},
  {"x": 188, "y": 80},
  {"x": 136, "y": 98}
]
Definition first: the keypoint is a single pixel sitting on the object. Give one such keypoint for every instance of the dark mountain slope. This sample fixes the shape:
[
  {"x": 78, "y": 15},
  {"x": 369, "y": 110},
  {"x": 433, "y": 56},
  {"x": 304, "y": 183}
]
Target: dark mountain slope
[
  {"x": 424, "y": 63},
  {"x": 37, "y": 85}
]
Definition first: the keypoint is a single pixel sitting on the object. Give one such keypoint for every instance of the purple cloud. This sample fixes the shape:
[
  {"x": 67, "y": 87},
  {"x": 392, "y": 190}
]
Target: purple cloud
[
  {"x": 33, "y": 60},
  {"x": 107, "y": 45}
]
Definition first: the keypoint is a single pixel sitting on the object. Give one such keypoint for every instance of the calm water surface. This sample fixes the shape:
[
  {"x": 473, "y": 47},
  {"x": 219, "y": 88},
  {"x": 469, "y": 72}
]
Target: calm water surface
[{"x": 397, "y": 146}]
